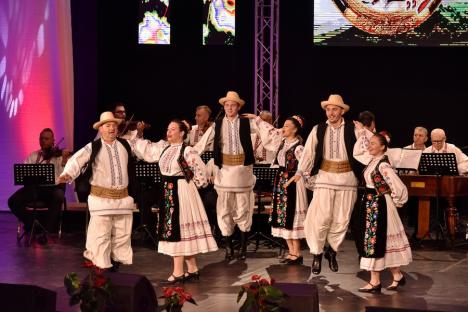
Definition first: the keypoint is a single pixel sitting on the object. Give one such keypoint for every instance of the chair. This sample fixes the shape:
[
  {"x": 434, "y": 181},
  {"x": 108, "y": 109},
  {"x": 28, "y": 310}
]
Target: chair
[{"x": 34, "y": 208}]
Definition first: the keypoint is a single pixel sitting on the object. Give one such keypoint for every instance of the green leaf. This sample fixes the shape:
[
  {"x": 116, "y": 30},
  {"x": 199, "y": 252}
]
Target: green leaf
[
  {"x": 71, "y": 282},
  {"x": 240, "y": 294}
]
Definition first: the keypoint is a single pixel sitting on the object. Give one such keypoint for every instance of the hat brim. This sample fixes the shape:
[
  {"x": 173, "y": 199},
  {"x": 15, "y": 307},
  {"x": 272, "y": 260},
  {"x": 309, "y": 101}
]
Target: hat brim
[
  {"x": 345, "y": 107},
  {"x": 101, "y": 122},
  {"x": 223, "y": 100}
]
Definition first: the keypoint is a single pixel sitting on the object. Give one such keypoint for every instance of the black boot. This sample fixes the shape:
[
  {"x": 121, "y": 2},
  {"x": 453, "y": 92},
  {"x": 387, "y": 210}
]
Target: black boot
[
  {"x": 243, "y": 246},
  {"x": 330, "y": 255},
  {"x": 229, "y": 248},
  {"x": 317, "y": 264},
  {"x": 115, "y": 266}
]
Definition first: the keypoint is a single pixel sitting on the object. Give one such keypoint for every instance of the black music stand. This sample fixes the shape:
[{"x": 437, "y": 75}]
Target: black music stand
[
  {"x": 34, "y": 175},
  {"x": 438, "y": 164},
  {"x": 206, "y": 156},
  {"x": 265, "y": 178},
  {"x": 147, "y": 173}
]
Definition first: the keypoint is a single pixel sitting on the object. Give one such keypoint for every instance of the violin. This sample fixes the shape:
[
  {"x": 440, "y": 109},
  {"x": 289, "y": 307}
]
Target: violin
[
  {"x": 131, "y": 125},
  {"x": 55, "y": 151}
]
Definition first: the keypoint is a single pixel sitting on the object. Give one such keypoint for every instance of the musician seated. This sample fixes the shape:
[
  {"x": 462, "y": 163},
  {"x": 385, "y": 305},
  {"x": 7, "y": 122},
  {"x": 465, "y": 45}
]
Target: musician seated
[
  {"x": 52, "y": 196},
  {"x": 202, "y": 119},
  {"x": 419, "y": 139},
  {"x": 439, "y": 145}
]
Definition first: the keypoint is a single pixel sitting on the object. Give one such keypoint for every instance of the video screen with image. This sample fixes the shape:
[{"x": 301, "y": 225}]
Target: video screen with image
[
  {"x": 390, "y": 22},
  {"x": 154, "y": 26},
  {"x": 219, "y": 22}
]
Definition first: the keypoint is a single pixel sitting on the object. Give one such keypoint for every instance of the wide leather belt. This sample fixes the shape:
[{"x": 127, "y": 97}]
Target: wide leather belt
[
  {"x": 335, "y": 166},
  {"x": 108, "y": 193},
  {"x": 233, "y": 160}
]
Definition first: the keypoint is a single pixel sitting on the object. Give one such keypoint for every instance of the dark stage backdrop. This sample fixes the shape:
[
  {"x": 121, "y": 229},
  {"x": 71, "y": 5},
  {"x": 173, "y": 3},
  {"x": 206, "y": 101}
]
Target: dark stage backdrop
[{"x": 405, "y": 86}]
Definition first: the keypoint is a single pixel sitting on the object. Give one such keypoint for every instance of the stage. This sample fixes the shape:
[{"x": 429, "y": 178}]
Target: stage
[{"x": 436, "y": 280}]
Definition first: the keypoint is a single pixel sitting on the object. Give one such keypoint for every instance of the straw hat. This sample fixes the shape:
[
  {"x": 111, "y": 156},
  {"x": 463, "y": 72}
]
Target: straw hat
[
  {"x": 232, "y": 96},
  {"x": 337, "y": 100},
  {"x": 106, "y": 117}
]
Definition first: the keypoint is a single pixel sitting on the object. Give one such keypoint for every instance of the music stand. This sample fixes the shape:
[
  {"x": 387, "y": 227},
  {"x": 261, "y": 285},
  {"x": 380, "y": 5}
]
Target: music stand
[
  {"x": 206, "y": 156},
  {"x": 265, "y": 177},
  {"x": 147, "y": 173},
  {"x": 34, "y": 175},
  {"x": 438, "y": 164}
]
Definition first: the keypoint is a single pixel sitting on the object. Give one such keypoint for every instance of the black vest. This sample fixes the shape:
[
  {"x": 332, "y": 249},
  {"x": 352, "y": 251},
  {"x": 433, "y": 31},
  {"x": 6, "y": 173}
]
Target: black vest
[
  {"x": 350, "y": 140},
  {"x": 82, "y": 183},
  {"x": 245, "y": 138}
]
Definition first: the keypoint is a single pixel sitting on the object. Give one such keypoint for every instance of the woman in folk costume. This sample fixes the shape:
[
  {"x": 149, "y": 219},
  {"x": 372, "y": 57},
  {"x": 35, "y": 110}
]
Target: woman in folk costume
[
  {"x": 381, "y": 240},
  {"x": 183, "y": 227},
  {"x": 289, "y": 199}
]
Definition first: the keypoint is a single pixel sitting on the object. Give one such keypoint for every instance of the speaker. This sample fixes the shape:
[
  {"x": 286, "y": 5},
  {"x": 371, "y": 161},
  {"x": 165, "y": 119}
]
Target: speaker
[
  {"x": 26, "y": 298},
  {"x": 390, "y": 309},
  {"x": 132, "y": 293},
  {"x": 301, "y": 297}
]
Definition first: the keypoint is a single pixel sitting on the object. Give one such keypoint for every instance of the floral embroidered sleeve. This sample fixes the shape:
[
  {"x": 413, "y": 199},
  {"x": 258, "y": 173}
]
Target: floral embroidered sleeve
[
  {"x": 147, "y": 150},
  {"x": 270, "y": 136},
  {"x": 360, "y": 152},
  {"x": 399, "y": 191},
  {"x": 197, "y": 165}
]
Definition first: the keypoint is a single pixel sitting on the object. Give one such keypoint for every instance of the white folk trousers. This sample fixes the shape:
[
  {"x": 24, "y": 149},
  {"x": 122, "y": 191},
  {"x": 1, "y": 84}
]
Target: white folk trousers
[
  {"x": 328, "y": 218},
  {"x": 109, "y": 236}
]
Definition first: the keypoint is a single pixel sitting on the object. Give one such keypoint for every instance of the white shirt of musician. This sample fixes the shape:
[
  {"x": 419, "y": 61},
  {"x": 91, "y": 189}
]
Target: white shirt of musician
[
  {"x": 462, "y": 159},
  {"x": 37, "y": 157}
]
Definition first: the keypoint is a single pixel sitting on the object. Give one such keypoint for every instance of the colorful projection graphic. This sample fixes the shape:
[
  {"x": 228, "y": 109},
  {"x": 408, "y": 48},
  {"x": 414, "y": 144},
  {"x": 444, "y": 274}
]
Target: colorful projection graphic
[
  {"x": 154, "y": 27},
  {"x": 219, "y": 27},
  {"x": 391, "y": 22},
  {"x": 36, "y": 80}
]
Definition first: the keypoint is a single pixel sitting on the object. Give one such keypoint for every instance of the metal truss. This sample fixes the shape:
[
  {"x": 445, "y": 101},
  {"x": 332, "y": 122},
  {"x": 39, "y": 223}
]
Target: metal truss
[{"x": 266, "y": 56}]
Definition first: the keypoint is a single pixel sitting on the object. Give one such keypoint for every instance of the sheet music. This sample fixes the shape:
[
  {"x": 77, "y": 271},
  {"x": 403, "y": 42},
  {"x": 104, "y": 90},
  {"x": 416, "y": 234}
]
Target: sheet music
[{"x": 404, "y": 158}]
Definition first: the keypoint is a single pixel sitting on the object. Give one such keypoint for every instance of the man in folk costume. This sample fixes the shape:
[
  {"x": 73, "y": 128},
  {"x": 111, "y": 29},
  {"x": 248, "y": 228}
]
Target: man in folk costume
[
  {"x": 234, "y": 181},
  {"x": 328, "y": 156},
  {"x": 108, "y": 163}
]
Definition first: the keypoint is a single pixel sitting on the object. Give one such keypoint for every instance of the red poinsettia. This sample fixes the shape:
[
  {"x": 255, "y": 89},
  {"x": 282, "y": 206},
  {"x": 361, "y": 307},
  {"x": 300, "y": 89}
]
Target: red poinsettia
[
  {"x": 93, "y": 293},
  {"x": 175, "y": 297},
  {"x": 261, "y": 295}
]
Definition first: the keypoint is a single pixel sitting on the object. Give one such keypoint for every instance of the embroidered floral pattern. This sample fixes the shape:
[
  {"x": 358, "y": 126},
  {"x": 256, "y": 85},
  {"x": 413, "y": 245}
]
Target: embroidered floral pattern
[
  {"x": 281, "y": 193},
  {"x": 188, "y": 173},
  {"x": 169, "y": 206},
  {"x": 381, "y": 186},
  {"x": 281, "y": 199},
  {"x": 372, "y": 213}
]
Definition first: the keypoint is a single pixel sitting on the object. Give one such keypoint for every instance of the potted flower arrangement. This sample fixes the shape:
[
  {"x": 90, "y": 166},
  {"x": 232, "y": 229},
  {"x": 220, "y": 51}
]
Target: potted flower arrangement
[
  {"x": 174, "y": 298},
  {"x": 261, "y": 295},
  {"x": 93, "y": 293}
]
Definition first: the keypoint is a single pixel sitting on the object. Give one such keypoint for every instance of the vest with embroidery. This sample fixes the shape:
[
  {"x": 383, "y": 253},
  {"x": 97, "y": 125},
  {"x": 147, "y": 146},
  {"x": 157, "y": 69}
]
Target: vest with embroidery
[{"x": 381, "y": 186}]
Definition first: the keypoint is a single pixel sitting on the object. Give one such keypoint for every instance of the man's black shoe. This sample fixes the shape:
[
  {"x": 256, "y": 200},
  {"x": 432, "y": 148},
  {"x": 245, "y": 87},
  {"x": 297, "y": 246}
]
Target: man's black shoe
[
  {"x": 330, "y": 255},
  {"x": 317, "y": 264}
]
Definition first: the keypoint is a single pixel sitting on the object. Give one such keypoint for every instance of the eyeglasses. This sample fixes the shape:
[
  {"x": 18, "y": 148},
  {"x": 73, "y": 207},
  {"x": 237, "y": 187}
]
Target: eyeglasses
[
  {"x": 437, "y": 141},
  {"x": 120, "y": 112}
]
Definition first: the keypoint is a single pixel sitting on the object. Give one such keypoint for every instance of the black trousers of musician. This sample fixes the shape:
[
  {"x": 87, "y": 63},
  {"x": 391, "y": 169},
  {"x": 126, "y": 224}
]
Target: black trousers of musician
[{"x": 51, "y": 196}]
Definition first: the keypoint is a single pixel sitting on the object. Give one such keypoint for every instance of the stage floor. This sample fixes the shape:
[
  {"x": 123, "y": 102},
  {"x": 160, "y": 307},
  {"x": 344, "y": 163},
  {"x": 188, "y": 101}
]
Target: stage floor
[{"x": 436, "y": 280}]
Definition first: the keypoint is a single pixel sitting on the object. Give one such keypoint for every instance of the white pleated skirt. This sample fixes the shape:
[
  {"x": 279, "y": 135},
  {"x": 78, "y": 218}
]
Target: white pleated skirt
[
  {"x": 398, "y": 251},
  {"x": 297, "y": 231},
  {"x": 195, "y": 230}
]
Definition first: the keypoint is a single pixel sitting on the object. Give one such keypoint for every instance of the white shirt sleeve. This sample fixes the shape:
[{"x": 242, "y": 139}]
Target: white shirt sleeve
[
  {"x": 399, "y": 191},
  {"x": 308, "y": 155}
]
